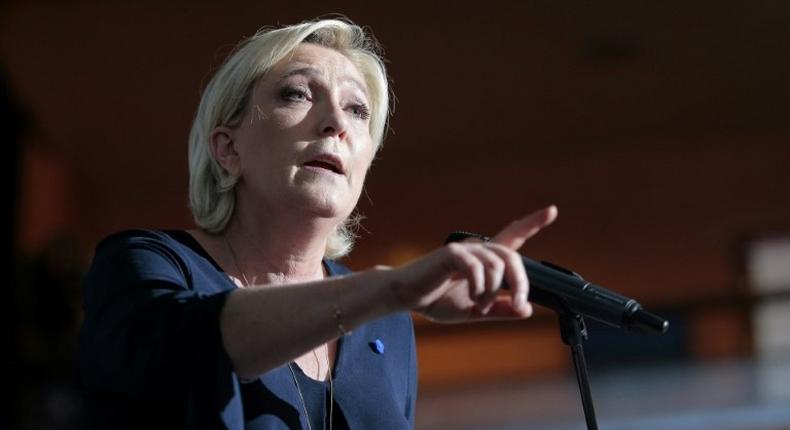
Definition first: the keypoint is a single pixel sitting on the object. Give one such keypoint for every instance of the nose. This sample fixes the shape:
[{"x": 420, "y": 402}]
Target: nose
[{"x": 333, "y": 122}]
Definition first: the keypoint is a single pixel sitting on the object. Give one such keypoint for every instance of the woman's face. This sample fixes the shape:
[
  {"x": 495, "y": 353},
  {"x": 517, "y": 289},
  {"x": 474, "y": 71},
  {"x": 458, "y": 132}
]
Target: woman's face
[{"x": 305, "y": 142}]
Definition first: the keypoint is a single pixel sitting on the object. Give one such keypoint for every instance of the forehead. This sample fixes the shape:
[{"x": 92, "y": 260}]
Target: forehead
[{"x": 309, "y": 59}]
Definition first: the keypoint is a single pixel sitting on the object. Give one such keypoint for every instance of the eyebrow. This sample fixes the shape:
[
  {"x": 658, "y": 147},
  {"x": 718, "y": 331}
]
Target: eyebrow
[{"x": 312, "y": 71}]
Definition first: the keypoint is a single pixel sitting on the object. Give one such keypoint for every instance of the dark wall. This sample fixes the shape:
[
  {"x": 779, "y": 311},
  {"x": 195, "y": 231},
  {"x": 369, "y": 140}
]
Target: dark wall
[{"x": 660, "y": 130}]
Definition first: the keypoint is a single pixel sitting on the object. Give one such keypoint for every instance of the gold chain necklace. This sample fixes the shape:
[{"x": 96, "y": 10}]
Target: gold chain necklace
[
  {"x": 290, "y": 365},
  {"x": 301, "y": 397}
]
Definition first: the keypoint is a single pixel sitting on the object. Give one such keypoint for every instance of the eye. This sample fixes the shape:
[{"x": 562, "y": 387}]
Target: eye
[
  {"x": 294, "y": 94},
  {"x": 360, "y": 111}
]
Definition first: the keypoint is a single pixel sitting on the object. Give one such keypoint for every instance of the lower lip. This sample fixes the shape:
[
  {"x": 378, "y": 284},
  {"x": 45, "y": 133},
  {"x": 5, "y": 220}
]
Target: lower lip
[{"x": 321, "y": 170}]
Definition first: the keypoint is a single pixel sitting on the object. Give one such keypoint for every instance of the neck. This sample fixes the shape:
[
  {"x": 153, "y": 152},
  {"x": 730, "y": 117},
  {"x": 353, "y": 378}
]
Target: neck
[{"x": 280, "y": 249}]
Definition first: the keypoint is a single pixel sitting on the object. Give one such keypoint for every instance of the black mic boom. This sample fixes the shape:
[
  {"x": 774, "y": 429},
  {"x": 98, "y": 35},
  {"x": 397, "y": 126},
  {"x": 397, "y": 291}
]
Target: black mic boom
[{"x": 564, "y": 291}]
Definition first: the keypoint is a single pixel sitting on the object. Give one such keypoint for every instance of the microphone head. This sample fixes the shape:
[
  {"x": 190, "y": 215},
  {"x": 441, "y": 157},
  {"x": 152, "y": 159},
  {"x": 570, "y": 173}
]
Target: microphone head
[{"x": 643, "y": 321}]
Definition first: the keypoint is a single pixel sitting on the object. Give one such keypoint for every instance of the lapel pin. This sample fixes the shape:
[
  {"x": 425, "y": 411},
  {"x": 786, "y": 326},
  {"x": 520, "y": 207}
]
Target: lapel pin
[{"x": 377, "y": 346}]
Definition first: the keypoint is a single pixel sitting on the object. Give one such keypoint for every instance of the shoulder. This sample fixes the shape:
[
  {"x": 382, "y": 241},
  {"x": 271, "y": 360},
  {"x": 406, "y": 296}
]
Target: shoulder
[
  {"x": 132, "y": 256},
  {"x": 137, "y": 236},
  {"x": 135, "y": 262},
  {"x": 174, "y": 245}
]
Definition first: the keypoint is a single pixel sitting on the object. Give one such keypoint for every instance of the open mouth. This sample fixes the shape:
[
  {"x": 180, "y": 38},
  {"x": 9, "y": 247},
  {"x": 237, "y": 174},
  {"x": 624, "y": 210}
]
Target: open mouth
[{"x": 327, "y": 163}]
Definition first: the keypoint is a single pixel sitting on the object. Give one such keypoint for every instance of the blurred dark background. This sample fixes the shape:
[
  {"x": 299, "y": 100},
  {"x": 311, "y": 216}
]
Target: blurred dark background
[{"x": 660, "y": 129}]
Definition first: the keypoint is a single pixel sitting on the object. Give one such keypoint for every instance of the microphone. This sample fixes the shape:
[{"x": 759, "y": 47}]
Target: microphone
[{"x": 562, "y": 290}]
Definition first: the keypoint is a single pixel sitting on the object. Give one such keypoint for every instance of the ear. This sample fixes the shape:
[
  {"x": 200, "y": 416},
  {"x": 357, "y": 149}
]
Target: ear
[{"x": 223, "y": 149}]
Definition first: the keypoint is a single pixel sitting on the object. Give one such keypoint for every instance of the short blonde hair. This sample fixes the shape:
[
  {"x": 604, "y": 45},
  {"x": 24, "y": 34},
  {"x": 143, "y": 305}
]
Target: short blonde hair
[{"x": 224, "y": 103}]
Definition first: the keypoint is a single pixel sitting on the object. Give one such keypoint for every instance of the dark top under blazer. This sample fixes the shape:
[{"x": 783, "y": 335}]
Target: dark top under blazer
[{"x": 151, "y": 352}]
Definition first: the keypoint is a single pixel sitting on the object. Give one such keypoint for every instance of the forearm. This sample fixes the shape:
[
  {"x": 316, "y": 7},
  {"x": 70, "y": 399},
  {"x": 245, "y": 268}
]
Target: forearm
[{"x": 265, "y": 326}]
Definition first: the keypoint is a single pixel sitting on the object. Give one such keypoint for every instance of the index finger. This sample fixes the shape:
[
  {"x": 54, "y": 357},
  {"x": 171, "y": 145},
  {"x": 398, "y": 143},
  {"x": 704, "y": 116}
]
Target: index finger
[{"x": 517, "y": 232}]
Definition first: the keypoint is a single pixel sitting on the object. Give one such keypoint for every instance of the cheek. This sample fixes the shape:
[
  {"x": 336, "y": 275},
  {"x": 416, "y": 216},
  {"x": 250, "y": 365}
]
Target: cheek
[
  {"x": 272, "y": 142},
  {"x": 287, "y": 117},
  {"x": 362, "y": 165}
]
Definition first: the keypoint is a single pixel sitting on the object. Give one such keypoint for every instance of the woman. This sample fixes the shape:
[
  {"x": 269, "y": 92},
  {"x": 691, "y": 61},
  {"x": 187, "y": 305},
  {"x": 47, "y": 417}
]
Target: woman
[{"x": 246, "y": 321}]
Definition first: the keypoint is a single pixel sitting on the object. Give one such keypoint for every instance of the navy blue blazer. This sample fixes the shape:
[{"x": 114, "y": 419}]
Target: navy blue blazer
[{"x": 151, "y": 352}]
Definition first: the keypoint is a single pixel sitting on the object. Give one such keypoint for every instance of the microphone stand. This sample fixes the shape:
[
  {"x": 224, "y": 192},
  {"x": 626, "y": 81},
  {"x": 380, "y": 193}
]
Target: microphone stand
[
  {"x": 572, "y": 327},
  {"x": 573, "y": 332}
]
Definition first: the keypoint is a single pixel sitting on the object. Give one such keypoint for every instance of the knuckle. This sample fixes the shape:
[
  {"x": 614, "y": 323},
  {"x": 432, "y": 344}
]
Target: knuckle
[
  {"x": 499, "y": 265},
  {"x": 454, "y": 248},
  {"x": 512, "y": 258},
  {"x": 498, "y": 246}
]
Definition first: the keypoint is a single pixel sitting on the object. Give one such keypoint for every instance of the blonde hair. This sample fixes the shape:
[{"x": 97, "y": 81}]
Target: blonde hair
[{"x": 224, "y": 102}]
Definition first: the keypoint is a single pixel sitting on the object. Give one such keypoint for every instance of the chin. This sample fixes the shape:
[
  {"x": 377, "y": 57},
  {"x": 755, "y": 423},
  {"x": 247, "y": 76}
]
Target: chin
[{"x": 326, "y": 204}]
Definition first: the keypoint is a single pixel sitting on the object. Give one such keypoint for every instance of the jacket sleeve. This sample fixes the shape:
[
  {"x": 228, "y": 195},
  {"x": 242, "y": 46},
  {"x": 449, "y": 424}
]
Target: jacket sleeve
[{"x": 150, "y": 335}]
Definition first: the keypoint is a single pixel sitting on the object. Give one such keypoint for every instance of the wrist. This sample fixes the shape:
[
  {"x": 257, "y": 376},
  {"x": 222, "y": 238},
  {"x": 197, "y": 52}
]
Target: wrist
[{"x": 391, "y": 289}]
